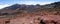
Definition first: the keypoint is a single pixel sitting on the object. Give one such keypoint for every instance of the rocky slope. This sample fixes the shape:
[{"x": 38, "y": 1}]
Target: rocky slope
[{"x": 31, "y": 14}]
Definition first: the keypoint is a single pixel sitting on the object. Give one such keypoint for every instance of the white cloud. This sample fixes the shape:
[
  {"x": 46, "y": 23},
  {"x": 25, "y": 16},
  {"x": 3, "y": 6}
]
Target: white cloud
[
  {"x": 2, "y": 6},
  {"x": 43, "y": 3},
  {"x": 33, "y": 2},
  {"x": 28, "y": 3}
]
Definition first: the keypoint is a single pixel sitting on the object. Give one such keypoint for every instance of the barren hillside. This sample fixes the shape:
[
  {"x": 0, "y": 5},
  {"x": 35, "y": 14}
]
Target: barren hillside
[{"x": 31, "y": 14}]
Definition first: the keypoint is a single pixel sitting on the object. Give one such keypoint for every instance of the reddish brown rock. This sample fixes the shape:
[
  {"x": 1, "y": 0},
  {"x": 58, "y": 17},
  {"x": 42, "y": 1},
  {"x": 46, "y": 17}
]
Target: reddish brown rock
[{"x": 33, "y": 18}]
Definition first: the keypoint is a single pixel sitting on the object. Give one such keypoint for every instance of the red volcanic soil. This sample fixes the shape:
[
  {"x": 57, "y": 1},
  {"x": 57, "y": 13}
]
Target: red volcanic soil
[{"x": 33, "y": 18}]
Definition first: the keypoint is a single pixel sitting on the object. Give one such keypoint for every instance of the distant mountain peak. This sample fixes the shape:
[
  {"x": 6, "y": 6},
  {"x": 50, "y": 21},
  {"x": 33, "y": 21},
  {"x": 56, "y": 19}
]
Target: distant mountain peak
[
  {"x": 15, "y": 4},
  {"x": 13, "y": 7},
  {"x": 31, "y": 8}
]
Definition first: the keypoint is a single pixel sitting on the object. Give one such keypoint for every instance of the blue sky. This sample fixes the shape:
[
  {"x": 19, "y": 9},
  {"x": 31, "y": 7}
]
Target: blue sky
[{"x": 4, "y": 3}]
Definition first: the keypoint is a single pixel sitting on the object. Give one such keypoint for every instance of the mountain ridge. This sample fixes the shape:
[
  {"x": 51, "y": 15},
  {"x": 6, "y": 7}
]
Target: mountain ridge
[{"x": 31, "y": 8}]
